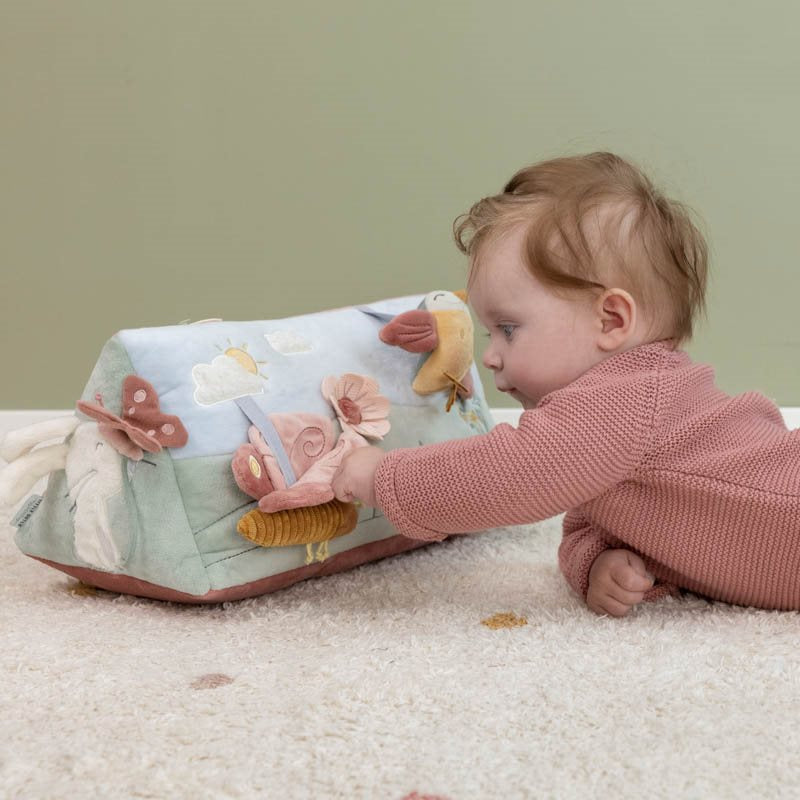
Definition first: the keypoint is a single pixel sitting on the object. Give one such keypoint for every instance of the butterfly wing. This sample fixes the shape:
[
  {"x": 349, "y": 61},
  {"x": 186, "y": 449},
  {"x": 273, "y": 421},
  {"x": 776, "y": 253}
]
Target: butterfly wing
[
  {"x": 120, "y": 440},
  {"x": 124, "y": 438},
  {"x": 141, "y": 411},
  {"x": 98, "y": 413}
]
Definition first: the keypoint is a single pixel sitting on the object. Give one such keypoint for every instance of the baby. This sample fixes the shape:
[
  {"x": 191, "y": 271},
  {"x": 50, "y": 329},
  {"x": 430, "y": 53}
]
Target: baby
[{"x": 588, "y": 280}]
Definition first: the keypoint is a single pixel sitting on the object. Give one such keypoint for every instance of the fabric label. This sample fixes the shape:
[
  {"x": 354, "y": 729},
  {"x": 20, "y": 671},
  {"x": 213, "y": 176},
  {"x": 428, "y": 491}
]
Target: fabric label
[{"x": 26, "y": 512}]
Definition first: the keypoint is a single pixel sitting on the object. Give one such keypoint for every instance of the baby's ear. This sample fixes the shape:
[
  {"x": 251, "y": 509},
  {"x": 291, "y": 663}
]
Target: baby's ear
[{"x": 617, "y": 313}]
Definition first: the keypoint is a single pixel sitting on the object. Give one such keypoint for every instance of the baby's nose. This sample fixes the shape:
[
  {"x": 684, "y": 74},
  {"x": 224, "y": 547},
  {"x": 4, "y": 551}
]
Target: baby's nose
[{"x": 490, "y": 359}]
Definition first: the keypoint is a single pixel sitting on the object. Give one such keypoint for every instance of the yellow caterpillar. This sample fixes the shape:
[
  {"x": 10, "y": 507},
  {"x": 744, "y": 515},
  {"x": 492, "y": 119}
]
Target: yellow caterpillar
[{"x": 307, "y": 525}]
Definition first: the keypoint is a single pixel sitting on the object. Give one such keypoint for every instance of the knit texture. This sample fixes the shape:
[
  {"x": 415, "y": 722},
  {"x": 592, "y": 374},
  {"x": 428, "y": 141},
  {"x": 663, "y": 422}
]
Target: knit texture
[{"x": 644, "y": 452}]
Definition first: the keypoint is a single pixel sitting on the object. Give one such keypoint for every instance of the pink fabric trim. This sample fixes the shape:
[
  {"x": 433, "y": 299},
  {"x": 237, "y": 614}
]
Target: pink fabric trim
[{"x": 341, "y": 562}]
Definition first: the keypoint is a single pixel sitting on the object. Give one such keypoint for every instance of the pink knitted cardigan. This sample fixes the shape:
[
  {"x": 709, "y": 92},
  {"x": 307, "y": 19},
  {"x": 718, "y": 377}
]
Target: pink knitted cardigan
[{"x": 642, "y": 451}]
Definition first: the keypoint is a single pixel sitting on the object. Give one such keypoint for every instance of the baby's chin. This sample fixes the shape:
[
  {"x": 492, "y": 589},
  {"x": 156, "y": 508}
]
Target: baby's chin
[{"x": 526, "y": 402}]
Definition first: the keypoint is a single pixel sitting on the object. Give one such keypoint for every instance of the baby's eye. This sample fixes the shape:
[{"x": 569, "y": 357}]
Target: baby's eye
[{"x": 507, "y": 330}]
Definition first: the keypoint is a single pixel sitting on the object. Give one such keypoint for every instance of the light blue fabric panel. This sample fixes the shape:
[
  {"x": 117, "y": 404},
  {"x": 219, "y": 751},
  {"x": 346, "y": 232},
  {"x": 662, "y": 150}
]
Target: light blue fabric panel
[{"x": 177, "y": 360}]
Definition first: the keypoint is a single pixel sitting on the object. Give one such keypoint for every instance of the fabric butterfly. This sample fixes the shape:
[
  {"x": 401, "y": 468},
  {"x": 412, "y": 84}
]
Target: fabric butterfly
[{"x": 142, "y": 426}]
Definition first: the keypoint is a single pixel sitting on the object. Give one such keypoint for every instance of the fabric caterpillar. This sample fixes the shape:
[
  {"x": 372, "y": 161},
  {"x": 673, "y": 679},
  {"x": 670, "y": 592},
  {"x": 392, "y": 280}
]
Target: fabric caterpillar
[{"x": 304, "y": 525}]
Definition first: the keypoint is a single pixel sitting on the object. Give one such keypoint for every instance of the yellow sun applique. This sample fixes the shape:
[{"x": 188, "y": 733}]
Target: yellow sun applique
[{"x": 243, "y": 358}]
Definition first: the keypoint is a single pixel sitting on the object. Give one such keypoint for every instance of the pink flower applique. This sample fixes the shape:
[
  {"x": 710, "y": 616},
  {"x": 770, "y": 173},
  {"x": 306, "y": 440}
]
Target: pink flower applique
[
  {"x": 142, "y": 425},
  {"x": 358, "y": 404}
]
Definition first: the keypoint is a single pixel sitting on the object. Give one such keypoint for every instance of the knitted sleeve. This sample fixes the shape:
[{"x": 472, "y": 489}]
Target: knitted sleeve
[
  {"x": 580, "y": 546},
  {"x": 576, "y": 444}
]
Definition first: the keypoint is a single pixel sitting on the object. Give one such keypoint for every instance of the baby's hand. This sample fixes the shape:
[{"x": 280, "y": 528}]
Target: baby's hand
[
  {"x": 618, "y": 581},
  {"x": 355, "y": 478}
]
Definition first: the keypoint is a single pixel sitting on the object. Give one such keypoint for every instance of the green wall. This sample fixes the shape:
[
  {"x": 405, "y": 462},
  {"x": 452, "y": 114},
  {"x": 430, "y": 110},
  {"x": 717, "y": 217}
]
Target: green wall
[{"x": 163, "y": 161}]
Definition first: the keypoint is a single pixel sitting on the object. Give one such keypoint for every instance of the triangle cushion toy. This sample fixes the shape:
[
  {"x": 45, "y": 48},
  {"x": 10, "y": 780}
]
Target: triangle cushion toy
[{"x": 196, "y": 467}]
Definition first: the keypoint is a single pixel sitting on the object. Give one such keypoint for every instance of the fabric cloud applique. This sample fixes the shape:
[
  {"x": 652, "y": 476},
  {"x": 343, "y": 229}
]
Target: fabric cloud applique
[
  {"x": 224, "y": 379},
  {"x": 288, "y": 342}
]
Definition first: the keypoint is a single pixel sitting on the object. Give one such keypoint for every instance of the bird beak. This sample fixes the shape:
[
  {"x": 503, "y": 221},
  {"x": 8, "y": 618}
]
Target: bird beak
[{"x": 461, "y": 294}]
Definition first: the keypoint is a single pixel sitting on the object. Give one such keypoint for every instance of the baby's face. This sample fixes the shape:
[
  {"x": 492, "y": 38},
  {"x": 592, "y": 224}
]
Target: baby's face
[{"x": 537, "y": 341}]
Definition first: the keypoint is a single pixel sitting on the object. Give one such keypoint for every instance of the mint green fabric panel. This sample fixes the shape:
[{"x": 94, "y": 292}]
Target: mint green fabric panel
[
  {"x": 220, "y": 541},
  {"x": 112, "y": 367},
  {"x": 48, "y": 531},
  {"x": 418, "y": 425},
  {"x": 167, "y": 555},
  {"x": 164, "y": 551},
  {"x": 209, "y": 490},
  {"x": 230, "y": 559},
  {"x": 254, "y": 562},
  {"x": 214, "y": 507},
  {"x": 214, "y": 502},
  {"x": 146, "y": 518},
  {"x": 147, "y": 522},
  {"x": 249, "y": 562}
]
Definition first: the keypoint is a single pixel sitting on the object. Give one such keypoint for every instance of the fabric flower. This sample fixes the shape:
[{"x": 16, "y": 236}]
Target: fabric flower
[{"x": 358, "y": 404}]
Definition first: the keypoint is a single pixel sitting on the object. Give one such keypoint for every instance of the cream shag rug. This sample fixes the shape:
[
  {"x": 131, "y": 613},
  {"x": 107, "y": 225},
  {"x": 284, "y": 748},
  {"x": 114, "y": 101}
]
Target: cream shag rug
[{"x": 384, "y": 682}]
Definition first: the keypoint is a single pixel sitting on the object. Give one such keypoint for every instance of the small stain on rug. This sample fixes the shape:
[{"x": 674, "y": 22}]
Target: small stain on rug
[
  {"x": 211, "y": 681},
  {"x": 418, "y": 796},
  {"x": 506, "y": 620}
]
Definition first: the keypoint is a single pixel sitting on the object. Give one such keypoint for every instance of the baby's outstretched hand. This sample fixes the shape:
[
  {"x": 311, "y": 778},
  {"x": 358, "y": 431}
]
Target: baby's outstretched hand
[
  {"x": 355, "y": 478},
  {"x": 618, "y": 581}
]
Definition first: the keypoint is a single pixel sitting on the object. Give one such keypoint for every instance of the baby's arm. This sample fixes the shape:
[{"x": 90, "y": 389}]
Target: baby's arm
[
  {"x": 552, "y": 461},
  {"x": 588, "y": 570}
]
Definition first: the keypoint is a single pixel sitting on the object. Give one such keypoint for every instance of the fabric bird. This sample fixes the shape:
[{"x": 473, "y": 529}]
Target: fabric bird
[{"x": 443, "y": 329}]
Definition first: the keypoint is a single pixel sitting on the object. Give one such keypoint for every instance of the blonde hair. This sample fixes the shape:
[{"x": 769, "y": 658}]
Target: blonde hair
[{"x": 654, "y": 249}]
